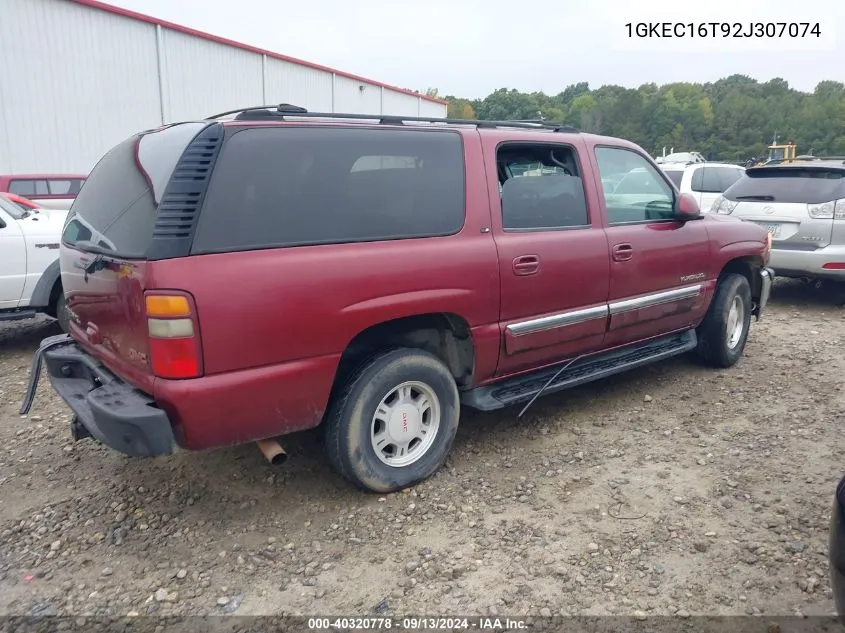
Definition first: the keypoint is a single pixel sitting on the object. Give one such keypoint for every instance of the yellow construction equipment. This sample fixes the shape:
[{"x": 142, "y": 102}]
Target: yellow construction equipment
[{"x": 781, "y": 153}]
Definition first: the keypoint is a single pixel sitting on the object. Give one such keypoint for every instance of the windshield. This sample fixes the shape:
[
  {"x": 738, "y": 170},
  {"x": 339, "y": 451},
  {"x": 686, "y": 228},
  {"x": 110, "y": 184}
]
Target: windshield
[
  {"x": 789, "y": 184},
  {"x": 12, "y": 209},
  {"x": 116, "y": 208}
]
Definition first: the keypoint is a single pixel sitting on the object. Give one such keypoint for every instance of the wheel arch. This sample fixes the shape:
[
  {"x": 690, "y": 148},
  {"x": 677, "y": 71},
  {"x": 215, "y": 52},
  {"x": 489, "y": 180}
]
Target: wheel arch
[
  {"x": 49, "y": 285},
  {"x": 446, "y": 335},
  {"x": 749, "y": 266}
]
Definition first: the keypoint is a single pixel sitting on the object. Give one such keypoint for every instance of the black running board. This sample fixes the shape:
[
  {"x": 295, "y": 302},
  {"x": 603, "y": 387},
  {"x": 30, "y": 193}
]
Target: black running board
[
  {"x": 18, "y": 315},
  {"x": 588, "y": 369}
]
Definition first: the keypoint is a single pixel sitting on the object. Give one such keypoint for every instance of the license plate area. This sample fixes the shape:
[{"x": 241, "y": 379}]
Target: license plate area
[{"x": 773, "y": 228}]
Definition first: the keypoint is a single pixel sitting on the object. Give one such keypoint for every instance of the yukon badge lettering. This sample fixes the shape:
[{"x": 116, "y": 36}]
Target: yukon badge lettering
[{"x": 693, "y": 277}]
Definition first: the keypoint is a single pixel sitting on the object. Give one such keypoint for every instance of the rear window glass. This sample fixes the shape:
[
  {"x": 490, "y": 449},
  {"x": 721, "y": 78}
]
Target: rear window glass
[
  {"x": 313, "y": 185},
  {"x": 675, "y": 175},
  {"x": 784, "y": 184},
  {"x": 116, "y": 209}
]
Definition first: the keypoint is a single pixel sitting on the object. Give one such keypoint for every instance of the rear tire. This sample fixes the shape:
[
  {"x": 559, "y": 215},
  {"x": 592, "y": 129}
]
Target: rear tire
[
  {"x": 394, "y": 422},
  {"x": 723, "y": 333},
  {"x": 62, "y": 313}
]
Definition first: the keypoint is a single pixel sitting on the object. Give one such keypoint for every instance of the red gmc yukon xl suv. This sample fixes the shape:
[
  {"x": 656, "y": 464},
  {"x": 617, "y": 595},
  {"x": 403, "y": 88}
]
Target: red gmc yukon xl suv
[{"x": 270, "y": 270}]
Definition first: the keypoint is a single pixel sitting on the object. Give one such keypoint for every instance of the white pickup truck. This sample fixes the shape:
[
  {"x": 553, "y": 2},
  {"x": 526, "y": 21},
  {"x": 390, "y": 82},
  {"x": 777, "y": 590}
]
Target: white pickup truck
[{"x": 30, "y": 280}]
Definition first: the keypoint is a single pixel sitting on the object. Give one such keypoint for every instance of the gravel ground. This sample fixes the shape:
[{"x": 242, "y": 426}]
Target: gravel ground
[{"x": 671, "y": 490}]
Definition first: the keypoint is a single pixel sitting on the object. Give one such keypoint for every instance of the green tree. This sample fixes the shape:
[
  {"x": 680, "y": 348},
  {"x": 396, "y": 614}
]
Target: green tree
[{"x": 733, "y": 118}]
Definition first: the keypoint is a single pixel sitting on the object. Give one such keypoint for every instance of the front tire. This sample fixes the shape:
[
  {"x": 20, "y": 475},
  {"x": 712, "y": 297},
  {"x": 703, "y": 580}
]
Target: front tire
[
  {"x": 62, "y": 314},
  {"x": 724, "y": 331},
  {"x": 394, "y": 422}
]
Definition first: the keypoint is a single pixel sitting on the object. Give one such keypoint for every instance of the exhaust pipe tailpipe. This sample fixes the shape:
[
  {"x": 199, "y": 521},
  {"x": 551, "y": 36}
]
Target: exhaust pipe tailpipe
[{"x": 273, "y": 452}]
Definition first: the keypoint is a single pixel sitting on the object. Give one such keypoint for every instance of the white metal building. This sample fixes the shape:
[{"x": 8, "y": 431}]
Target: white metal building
[{"x": 79, "y": 76}]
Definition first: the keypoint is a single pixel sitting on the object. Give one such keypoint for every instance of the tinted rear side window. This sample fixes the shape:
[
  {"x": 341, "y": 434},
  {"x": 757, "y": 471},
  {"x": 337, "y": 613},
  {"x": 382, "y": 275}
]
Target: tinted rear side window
[
  {"x": 786, "y": 184},
  {"x": 714, "y": 179},
  {"x": 675, "y": 176},
  {"x": 28, "y": 187},
  {"x": 290, "y": 186},
  {"x": 116, "y": 207}
]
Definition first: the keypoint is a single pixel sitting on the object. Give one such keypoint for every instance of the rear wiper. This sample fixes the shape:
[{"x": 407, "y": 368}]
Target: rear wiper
[
  {"x": 768, "y": 198},
  {"x": 98, "y": 262},
  {"x": 91, "y": 247}
]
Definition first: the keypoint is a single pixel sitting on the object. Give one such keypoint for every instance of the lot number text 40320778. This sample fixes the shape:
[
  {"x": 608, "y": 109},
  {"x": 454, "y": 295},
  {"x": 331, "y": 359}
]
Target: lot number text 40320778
[{"x": 723, "y": 29}]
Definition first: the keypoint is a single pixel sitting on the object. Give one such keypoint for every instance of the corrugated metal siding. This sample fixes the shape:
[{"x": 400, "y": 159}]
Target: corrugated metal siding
[
  {"x": 202, "y": 78},
  {"x": 82, "y": 80},
  {"x": 298, "y": 85},
  {"x": 398, "y": 103},
  {"x": 64, "y": 98},
  {"x": 356, "y": 97},
  {"x": 432, "y": 109}
]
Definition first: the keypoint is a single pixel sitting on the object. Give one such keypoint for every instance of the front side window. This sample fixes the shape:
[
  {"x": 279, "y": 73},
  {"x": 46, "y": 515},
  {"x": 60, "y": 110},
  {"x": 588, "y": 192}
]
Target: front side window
[
  {"x": 297, "y": 186},
  {"x": 641, "y": 194},
  {"x": 28, "y": 187}
]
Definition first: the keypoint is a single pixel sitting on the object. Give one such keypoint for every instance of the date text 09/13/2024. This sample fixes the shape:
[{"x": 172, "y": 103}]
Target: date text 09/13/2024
[{"x": 723, "y": 29}]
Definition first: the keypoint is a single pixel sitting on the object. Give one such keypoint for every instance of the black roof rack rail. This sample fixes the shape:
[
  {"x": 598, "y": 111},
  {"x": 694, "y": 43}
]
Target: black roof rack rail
[
  {"x": 264, "y": 111},
  {"x": 286, "y": 110}
]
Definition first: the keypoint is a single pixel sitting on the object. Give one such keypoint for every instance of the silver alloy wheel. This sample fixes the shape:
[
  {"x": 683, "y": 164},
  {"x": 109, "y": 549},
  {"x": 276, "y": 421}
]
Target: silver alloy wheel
[
  {"x": 736, "y": 322},
  {"x": 405, "y": 424}
]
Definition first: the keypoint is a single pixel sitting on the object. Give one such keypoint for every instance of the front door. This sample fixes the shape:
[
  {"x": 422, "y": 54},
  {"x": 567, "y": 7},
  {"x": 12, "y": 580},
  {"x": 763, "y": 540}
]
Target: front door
[
  {"x": 659, "y": 267},
  {"x": 12, "y": 261},
  {"x": 553, "y": 254}
]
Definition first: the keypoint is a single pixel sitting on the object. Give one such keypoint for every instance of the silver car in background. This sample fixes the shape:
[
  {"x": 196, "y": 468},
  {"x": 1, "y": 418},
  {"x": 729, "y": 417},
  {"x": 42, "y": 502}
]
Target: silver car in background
[{"x": 802, "y": 205}]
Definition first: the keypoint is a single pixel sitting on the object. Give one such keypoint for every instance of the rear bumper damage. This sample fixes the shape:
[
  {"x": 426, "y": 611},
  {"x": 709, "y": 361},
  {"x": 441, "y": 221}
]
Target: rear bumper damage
[{"x": 104, "y": 407}]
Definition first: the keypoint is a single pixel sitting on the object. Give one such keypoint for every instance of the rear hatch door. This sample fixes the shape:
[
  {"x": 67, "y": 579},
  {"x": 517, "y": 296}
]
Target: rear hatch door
[
  {"x": 105, "y": 243},
  {"x": 795, "y": 204}
]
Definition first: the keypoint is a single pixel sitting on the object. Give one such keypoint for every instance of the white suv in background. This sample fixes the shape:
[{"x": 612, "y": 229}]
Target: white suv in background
[{"x": 705, "y": 181}]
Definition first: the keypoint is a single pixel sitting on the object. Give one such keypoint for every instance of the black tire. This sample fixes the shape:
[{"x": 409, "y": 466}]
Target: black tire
[
  {"x": 62, "y": 314},
  {"x": 350, "y": 420},
  {"x": 714, "y": 339}
]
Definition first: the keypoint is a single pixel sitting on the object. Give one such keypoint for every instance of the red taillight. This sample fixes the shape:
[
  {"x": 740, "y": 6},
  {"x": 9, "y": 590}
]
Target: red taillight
[
  {"x": 834, "y": 266},
  {"x": 175, "y": 350}
]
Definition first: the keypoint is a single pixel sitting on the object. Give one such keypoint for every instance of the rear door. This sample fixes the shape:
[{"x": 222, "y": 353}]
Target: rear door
[
  {"x": 106, "y": 240},
  {"x": 553, "y": 253},
  {"x": 658, "y": 265},
  {"x": 794, "y": 203}
]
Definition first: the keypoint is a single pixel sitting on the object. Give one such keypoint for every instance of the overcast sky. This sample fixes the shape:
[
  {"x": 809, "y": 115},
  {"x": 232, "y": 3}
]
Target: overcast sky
[{"x": 471, "y": 47}]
